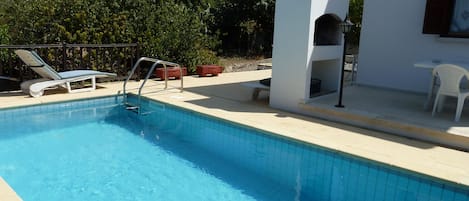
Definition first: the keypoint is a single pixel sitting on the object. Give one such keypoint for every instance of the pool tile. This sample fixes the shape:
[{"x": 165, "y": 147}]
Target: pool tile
[{"x": 327, "y": 171}]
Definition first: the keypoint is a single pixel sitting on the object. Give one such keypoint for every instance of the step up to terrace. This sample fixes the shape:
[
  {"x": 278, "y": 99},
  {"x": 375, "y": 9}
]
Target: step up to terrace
[{"x": 394, "y": 112}]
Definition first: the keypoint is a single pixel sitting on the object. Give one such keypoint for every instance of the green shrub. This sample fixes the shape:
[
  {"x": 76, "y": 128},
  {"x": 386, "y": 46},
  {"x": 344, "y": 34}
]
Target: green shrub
[
  {"x": 165, "y": 29},
  {"x": 178, "y": 36},
  {"x": 4, "y": 40}
]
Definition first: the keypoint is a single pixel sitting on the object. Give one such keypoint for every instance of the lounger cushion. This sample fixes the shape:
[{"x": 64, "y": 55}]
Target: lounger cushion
[
  {"x": 80, "y": 73},
  {"x": 33, "y": 60}
]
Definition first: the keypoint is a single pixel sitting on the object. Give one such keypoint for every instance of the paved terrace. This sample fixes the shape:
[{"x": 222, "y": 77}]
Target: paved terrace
[
  {"x": 395, "y": 112},
  {"x": 224, "y": 97}
]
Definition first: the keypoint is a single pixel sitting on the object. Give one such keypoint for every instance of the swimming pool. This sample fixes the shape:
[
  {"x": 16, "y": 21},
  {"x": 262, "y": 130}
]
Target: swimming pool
[{"x": 96, "y": 150}]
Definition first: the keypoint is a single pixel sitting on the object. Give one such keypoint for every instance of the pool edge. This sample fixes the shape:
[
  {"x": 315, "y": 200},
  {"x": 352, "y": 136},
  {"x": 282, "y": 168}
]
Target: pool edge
[{"x": 7, "y": 193}]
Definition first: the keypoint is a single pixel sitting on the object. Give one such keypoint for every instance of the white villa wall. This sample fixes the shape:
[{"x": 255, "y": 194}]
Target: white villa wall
[
  {"x": 293, "y": 48},
  {"x": 392, "y": 41}
]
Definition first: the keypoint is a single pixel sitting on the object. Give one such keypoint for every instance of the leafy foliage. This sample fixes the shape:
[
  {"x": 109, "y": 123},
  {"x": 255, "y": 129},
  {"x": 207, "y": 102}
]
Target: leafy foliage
[
  {"x": 356, "y": 11},
  {"x": 179, "y": 35},
  {"x": 246, "y": 26},
  {"x": 189, "y": 32},
  {"x": 165, "y": 29},
  {"x": 4, "y": 39}
]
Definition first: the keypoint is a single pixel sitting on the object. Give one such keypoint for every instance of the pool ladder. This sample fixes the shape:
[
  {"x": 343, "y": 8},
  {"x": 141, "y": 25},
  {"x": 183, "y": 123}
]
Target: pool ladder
[{"x": 136, "y": 106}]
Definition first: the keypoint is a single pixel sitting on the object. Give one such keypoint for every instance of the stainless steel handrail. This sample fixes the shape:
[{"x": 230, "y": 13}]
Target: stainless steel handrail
[{"x": 150, "y": 72}]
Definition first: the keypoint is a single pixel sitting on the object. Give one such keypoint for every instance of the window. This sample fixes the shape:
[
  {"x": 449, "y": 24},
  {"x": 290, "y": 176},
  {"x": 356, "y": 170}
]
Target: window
[
  {"x": 448, "y": 18},
  {"x": 459, "y": 25}
]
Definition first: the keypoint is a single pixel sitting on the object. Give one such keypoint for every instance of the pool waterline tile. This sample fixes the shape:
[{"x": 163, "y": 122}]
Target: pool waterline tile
[
  {"x": 356, "y": 142},
  {"x": 330, "y": 162}
]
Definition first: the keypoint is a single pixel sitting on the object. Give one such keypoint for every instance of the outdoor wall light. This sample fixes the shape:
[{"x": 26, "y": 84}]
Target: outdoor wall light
[{"x": 345, "y": 27}]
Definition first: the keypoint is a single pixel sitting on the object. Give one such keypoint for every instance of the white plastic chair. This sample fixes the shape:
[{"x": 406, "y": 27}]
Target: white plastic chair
[{"x": 450, "y": 77}]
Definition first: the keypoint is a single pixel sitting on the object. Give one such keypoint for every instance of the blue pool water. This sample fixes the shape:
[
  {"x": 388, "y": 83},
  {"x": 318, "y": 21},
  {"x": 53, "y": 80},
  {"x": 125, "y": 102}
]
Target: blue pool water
[{"x": 96, "y": 150}]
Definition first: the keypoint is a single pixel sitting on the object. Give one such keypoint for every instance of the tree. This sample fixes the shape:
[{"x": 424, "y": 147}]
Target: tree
[
  {"x": 179, "y": 35},
  {"x": 166, "y": 29},
  {"x": 246, "y": 26},
  {"x": 356, "y": 12}
]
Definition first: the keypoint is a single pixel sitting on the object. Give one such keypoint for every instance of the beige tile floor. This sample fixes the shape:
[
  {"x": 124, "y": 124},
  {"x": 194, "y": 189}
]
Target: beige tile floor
[
  {"x": 224, "y": 97},
  {"x": 397, "y": 112}
]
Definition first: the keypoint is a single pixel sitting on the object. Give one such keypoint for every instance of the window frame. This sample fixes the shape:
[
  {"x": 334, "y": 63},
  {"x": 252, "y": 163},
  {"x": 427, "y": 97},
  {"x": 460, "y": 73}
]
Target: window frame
[
  {"x": 438, "y": 19},
  {"x": 460, "y": 34}
]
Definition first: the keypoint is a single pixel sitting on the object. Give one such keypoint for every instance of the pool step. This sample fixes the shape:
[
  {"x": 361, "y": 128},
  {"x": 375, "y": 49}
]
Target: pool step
[
  {"x": 132, "y": 107},
  {"x": 137, "y": 109},
  {"x": 146, "y": 109}
]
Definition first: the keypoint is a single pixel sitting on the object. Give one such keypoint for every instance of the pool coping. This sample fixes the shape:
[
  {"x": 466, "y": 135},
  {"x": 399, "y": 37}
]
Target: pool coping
[
  {"x": 406, "y": 163},
  {"x": 428, "y": 159},
  {"x": 7, "y": 193}
]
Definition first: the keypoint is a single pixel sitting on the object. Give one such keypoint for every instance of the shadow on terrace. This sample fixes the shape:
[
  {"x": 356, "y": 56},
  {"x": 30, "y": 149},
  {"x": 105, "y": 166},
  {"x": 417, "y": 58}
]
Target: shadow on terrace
[{"x": 394, "y": 112}]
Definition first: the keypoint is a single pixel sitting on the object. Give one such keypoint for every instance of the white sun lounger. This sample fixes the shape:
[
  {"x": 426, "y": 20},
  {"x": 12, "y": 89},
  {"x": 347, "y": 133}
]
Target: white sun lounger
[{"x": 51, "y": 78}]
